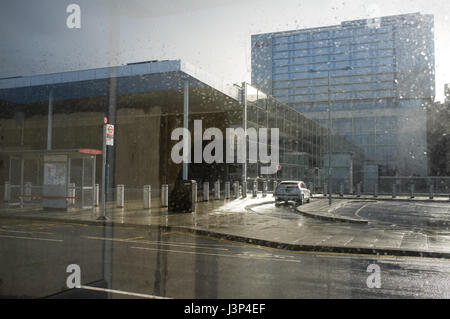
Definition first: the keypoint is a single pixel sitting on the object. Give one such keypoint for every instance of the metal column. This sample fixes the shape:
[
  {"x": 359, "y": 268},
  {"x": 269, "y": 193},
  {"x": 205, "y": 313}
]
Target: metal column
[{"x": 186, "y": 146}]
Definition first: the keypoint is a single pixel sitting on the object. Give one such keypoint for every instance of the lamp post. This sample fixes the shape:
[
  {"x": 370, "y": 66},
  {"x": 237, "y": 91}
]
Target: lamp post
[{"x": 329, "y": 126}]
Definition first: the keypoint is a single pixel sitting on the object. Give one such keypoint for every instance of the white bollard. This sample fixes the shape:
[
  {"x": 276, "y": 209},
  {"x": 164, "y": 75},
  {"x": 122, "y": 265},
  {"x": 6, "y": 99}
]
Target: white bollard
[
  {"x": 205, "y": 191},
  {"x": 264, "y": 188},
  {"x": 358, "y": 190},
  {"x": 97, "y": 195},
  {"x": 341, "y": 191},
  {"x": 120, "y": 195},
  {"x": 325, "y": 189},
  {"x": 394, "y": 190},
  {"x": 217, "y": 190},
  {"x": 147, "y": 196},
  {"x": 164, "y": 195},
  {"x": 227, "y": 190},
  {"x": 244, "y": 189},
  {"x": 27, "y": 191},
  {"x": 255, "y": 189},
  {"x": 194, "y": 192},
  {"x": 71, "y": 195},
  {"x": 412, "y": 191},
  {"x": 431, "y": 191},
  {"x": 7, "y": 193},
  {"x": 236, "y": 189}
]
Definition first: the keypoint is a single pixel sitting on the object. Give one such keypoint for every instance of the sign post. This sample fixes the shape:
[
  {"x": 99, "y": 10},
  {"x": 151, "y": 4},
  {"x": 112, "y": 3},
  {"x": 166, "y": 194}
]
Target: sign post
[{"x": 108, "y": 139}]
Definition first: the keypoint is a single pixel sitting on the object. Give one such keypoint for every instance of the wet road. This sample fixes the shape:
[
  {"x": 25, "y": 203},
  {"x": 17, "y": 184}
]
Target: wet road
[
  {"x": 35, "y": 255},
  {"x": 426, "y": 216}
]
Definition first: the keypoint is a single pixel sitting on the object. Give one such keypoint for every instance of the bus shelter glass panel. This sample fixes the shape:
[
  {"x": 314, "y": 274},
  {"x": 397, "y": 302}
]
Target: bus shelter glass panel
[
  {"x": 82, "y": 185},
  {"x": 15, "y": 178}
]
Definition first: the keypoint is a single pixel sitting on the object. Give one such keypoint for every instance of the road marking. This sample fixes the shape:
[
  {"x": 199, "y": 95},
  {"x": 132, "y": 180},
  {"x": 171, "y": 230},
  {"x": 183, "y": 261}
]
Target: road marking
[
  {"x": 359, "y": 209},
  {"x": 345, "y": 244},
  {"x": 133, "y": 238},
  {"x": 187, "y": 245},
  {"x": 32, "y": 238},
  {"x": 216, "y": 255},
  {"x": 25, "y": 232},
  {"x": 114, "y": 291}
]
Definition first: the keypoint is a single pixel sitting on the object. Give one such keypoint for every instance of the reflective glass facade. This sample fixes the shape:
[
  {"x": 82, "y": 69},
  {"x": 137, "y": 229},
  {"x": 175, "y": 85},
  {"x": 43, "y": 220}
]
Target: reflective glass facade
[{"x": 371, "y": 73}]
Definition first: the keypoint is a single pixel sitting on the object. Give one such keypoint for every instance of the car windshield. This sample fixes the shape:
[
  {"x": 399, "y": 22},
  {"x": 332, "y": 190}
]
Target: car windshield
[{"x": 142, "y": 144}]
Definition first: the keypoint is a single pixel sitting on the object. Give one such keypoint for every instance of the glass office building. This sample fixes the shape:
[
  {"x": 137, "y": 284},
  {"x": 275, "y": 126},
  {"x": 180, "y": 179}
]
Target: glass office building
[
  {"x": 63, "y": 113},
  {"x": 377, "y": 76}
]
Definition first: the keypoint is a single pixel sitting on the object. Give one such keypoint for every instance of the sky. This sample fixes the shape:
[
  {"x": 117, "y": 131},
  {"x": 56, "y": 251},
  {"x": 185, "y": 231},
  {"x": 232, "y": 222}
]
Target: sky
[{"x": 213, "y": 35}]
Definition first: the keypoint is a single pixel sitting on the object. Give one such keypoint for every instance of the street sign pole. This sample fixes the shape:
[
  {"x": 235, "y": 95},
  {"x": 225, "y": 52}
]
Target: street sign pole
[{"x": 103, "y": 216}]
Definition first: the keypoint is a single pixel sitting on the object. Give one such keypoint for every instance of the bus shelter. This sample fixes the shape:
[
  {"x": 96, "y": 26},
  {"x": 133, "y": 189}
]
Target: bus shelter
[{"x": 58, "y": 179}]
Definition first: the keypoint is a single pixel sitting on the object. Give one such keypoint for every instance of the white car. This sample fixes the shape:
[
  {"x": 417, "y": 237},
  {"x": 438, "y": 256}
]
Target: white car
[{"x": 295, "y": 191}]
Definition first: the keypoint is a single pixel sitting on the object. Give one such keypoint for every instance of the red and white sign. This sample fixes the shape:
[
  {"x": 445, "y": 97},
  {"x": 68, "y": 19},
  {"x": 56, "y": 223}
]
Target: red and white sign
[{"x": 109, "y": 134}]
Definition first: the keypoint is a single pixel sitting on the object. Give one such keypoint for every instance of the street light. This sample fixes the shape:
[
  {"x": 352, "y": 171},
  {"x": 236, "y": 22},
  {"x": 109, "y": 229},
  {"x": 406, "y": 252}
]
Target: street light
[{"x": 329, "y": 125}]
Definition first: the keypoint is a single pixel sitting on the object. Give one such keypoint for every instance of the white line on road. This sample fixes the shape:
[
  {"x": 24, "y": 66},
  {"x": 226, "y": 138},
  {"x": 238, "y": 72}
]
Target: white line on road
[
  {"x": 359, "y": 209},
  {"x": 32, "y": 238},
  {"x": 25, "y": 232},
  {"x": 187, "y": 245},
  {"x": 132, "y": 294},
  {"x": 216, "y": 255}
]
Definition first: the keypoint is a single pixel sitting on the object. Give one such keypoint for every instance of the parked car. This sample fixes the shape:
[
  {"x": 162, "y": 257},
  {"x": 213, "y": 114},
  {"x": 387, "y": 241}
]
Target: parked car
[{"x": 295, "y": 191}]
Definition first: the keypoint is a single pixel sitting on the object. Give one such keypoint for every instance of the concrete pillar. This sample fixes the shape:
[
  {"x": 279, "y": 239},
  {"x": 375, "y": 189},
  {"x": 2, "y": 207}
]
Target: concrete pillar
[
  {"x": 431, "y": 191},
  {"x": 394, "y": 190},
  {"x": 358, "y": 190}
]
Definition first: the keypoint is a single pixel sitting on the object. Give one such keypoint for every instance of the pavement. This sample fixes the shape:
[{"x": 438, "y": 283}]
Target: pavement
[{"x": 256, "y": 221}]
